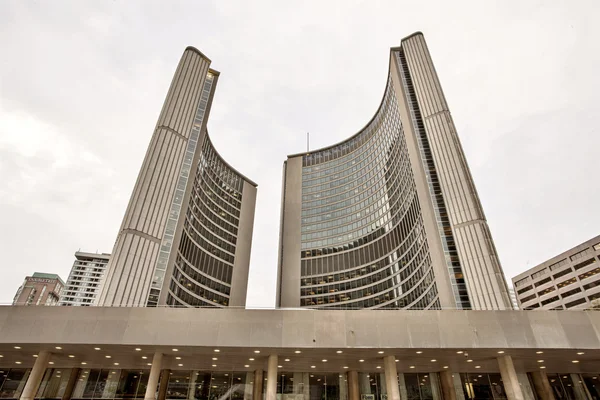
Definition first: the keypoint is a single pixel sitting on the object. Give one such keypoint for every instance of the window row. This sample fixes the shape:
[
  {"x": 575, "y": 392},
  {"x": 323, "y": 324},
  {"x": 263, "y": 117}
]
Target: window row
[{"x": 203, "y": 261}]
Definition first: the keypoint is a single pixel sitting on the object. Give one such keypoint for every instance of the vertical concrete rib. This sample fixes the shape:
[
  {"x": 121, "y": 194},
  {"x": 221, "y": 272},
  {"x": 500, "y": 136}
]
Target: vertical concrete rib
[
  {"x": 484, "y": 277},
  {"x": 129, "y": 272}
]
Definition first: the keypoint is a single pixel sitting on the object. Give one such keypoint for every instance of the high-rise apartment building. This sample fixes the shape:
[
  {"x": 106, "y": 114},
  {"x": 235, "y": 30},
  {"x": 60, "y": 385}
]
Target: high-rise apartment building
[
  {"x": 83, "y": 284},
  {"x": 568, "y": 280},
  {"x": 40, "y": 289},
  {"x": 186, "y": 235},
  {"x": 390, "y": 218}
]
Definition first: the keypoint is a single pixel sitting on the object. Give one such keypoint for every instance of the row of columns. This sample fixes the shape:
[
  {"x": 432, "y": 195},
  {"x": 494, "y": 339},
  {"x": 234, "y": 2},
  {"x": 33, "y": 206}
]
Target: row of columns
[{"x": 445, "y": 385}]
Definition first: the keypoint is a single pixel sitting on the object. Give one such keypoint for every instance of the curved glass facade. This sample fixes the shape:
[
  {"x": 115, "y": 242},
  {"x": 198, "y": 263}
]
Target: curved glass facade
[
  {"x": 204, "y": 263},
  {"x": 363, "y": 239}
]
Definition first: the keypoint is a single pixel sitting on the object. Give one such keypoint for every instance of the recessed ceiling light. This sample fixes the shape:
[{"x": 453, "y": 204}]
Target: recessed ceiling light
[
  {"x": 580, "y": 353},
  {"x": 175, "y": 349},
  {"x": 361, "y": 360},
  {"x": 345, "y": 367},
  {"x": 380, "y": 352},
  {"x": 478, "y": 366},
  {"x": 17, "y": 362},
  {"x": 539, "y": 352},
  {"x": 149, "y": 364},
  {"x": 540, "y": 360},
  {"x": 116, "y": 363},
  {"x": 339, "y": 352},
  {"x": 445, "y": 366},
  {"x": 397, "y": 360},
  {"x": 107, "y": 356},
  {"x": 419, "y": 352},
  {"x": 286, "y": 360},
  {"x": 138, "y": 349},
  {"x": 543, "y": 367},
  {"x": 459, "y": 352},
  {"x": 83, "y": 363},
  {"x": 51, "y": 362},
  {"x": 378, "y": 367},
  {"x": 57, "y": 348},
  {"x": 297, "y": 352},
  {"x": 178, "y": 358},
  {"x": 279, "y": 366},
  {"x": 216, "y": 350},
  {"x": 181, "y": 365},
  {"x": 501, "y": 352},
  {"x": 18, "y": 347},
  {"x": 412, "y": 366},
  {"x": 324, "y": 360},
  {"x": 71, "y": 356},
  {"x": 575, "y": 361},
  {"x": 434, "y": 360},
  {"x": 35, "y": 355},
  {"x": 97, "y": 348},
  {"x": 246, "y": 366},
  {"x": 144, "y": 357},
  {"x": 469, "y": 360},
  {"x": 312, "y": 366},
  {"x": 257, "y": 351},
  {"x": 214, "y": 365},
  {"x": 215, "y": 358}
]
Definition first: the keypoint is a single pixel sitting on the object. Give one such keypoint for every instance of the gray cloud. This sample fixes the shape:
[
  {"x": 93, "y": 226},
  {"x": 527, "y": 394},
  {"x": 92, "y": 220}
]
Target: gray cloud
[{"x": 82, "y": 83}]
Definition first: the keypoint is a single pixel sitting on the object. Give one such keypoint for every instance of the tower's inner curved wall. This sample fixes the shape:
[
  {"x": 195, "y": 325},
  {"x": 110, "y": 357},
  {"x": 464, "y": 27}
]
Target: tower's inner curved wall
[
  {"x": 363, "y": 238},
  {"x": 204, "y": 263}
]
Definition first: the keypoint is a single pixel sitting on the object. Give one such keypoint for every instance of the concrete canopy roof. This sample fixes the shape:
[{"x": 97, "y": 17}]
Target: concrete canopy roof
[{"x": 318, "y": 335}]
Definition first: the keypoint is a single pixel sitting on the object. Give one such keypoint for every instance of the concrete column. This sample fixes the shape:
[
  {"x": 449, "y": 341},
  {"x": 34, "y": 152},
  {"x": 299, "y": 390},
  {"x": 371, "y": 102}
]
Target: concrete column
[
  {"x": 382, "y": 388},
  {"x": 510, "y": 379},
  {"x": 451, "y": 386},
  {"x": 153, "y": 377},
  {"x": 402, "y": 387},
  {"x": 447, "y": 385},
  {"x": 112, "y": 382},
  {"x": 258, "y": 385},
  {"x": 581, "y": 392},
  {"x": 525, "y": 386},
  {"x": 36, "y": 375},
  {"x": 542, "y": 386},
  {"x": 248, "y": 387},
  {"x": 363, "y": 383},
  {"x": 272, "y": 378},
  {"x": 436, "y": 390},
  {"x": 71, "y": 384},
  {"x": 353, "y": 391},
  {"x": 164, "y": 384},
  {"x": 343, "y": 385},
  {"x": 391, "y": 377}
]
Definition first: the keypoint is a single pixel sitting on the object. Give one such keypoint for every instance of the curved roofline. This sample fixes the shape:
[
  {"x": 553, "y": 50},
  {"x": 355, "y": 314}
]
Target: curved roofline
[
  {"x": 411, "y": 35},
  {"x": 361, "y": 130},
  {"x": 195, "y": 50},
  {"x": 229, "y": 165}
]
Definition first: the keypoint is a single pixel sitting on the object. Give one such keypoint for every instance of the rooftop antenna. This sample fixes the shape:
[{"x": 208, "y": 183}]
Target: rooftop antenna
[{"x": 307, "y": 141}]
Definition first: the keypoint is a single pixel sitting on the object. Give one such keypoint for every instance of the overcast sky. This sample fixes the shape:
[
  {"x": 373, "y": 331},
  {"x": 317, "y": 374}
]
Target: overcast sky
[{"x": 82, "y": 84}]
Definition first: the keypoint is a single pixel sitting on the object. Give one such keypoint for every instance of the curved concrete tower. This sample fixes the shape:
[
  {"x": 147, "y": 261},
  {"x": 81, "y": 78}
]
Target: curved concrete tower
[
  {"x": 186, "y": 235},
  {"x": 390, "y": 217}
]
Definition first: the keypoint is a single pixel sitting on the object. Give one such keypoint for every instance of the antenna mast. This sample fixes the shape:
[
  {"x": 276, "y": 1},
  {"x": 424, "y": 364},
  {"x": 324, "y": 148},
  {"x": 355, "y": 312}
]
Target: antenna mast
[{"x": 307, "y": 141}]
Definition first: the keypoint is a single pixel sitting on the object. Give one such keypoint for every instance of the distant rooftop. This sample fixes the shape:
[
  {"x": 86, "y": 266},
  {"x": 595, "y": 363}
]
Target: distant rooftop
[
  {"x": 44, "y": 275},
  {"x": 84, "y": 254}
]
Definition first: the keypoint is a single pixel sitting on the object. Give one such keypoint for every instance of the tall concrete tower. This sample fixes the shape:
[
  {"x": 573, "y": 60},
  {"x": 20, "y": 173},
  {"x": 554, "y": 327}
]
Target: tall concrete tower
[
  {"x": 186, "y": 234},
  {"x": 390, "y": 218}
]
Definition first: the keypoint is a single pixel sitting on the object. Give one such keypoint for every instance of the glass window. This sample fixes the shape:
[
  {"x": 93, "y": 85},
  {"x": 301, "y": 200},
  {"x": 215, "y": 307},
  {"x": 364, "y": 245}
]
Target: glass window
[
  {"x": 483, "y": 386},
  {"x": 13, "y": 381},
  {"x": 562, "y": 387}
]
